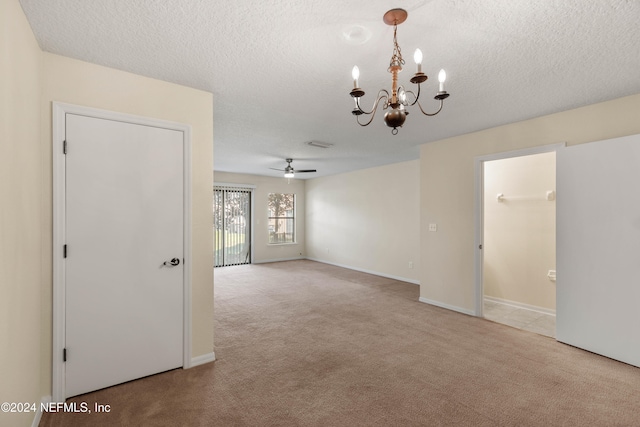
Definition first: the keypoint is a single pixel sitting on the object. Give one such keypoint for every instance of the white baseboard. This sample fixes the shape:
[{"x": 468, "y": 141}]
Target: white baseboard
[
  {"x": 447, "y": 306},
  {"x": 266, "y": 261},
  {"x": 364, "y": 270},
  {"x": 521, "y": 305},
  {"x": 36, "y": 419},
  {"x": 202, "y": 359}
]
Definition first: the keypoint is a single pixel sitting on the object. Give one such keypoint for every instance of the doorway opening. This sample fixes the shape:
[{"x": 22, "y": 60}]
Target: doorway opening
[
  {"x": 232, "y": 207},
  {"x": 517, "y": 260}
]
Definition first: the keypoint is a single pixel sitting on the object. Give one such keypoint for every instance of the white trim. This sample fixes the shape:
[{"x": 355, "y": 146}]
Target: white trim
[
  {"x": 202, "y": 359},
  {"x": 188, "y": 259},
  {"x": 59, "y": 130},
  {"x": 478, "y": 210},
  {"x": 478, "y": 257},
  {"x": 38, "y": 416},
  {"x": 522, "y": 152},
  {"x": 447, "y": 306},
  {"x": 59, "y": 233},
  {"x": 516, "y": 304},
  {"x": 233, "y": 185},
  {"x": 266, "y": 261},
  {"x": 253, "y": 226},
  {"x": 364, "y": 270}
]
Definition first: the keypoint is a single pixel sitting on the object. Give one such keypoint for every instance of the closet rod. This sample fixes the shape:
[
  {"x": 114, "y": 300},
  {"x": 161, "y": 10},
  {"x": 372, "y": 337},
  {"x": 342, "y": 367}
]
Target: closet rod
[{"x": 550, "y": 196}]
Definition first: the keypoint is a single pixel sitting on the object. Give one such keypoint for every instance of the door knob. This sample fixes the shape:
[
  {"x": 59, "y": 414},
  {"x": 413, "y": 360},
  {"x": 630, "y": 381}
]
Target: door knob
[{"x": 173, "y": 262}]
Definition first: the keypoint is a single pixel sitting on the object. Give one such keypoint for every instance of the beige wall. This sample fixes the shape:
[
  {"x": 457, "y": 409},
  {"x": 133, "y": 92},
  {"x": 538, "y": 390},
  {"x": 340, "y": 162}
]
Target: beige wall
[
  {"x": 519, "y": 245},
  {"x": 21, "y": 212},
  {"x": 447, "y": 183},
  {"x": 29, "y": 81},
  {"x": 367, "y": 220},
  {"x": 262, "y": 250},
  {"x": 81, "y": 83}
]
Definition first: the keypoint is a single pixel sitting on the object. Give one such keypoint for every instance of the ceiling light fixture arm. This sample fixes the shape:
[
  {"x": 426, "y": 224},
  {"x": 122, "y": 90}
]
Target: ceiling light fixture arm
[
  {"x": 416, "y": 96},
  {"x": 358, "y": 111},
  {"x": 438, "y": 97},
  {"x": 430, "y": 114}
]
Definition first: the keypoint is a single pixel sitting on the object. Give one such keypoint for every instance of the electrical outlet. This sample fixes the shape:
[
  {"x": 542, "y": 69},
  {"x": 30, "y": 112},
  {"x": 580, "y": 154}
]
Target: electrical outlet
[
  {"x": 410, "y": 264},
  {"x": 433, "y": 227}
]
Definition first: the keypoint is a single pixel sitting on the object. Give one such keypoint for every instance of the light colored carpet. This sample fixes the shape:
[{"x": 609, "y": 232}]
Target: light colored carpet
[{"x": 307, "y": 344}]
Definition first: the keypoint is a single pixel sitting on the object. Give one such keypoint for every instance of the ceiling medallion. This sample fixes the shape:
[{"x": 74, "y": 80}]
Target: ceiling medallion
[{"x": 398, "y": 99}]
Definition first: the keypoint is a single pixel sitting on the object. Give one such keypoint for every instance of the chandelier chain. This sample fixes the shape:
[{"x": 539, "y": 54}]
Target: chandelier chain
[{"x": 396, "y": 58}]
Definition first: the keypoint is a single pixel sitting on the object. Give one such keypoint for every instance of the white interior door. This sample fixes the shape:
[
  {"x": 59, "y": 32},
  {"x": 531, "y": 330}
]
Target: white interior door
[
  {"x": 598, "y": 247},
  {"x": 124, "y": 219}
]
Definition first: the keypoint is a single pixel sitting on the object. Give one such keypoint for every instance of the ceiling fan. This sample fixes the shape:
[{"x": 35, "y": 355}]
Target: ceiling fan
[{"x": 289, "y": 171}]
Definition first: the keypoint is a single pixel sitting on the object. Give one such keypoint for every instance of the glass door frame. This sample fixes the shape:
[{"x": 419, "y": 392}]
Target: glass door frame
[{"x": 230, "y": 187}]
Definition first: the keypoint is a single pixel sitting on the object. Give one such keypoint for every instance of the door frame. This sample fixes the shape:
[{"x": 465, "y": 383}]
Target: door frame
[
  {"x": 59, "y": 230},
  {"x": 479, "y": 210}
]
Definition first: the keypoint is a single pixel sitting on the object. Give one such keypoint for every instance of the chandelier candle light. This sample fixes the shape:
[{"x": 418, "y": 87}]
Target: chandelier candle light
[{"x": 397, "y": 100}]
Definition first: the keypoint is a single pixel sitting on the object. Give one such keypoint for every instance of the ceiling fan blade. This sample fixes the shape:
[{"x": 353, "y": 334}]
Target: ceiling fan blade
[
  {"x": 305, "y": 170},
  {"x": 281, "y": 170}
]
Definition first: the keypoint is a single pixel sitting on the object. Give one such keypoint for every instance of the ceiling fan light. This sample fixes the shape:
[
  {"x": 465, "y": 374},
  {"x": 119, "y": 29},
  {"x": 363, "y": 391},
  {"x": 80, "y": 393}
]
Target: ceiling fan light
[{"x": 288, "y": 174}]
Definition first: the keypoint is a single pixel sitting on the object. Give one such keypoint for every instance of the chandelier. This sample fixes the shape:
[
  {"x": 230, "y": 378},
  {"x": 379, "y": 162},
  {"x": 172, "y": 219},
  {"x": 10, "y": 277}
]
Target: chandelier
[{"x": 398, "y": 100}]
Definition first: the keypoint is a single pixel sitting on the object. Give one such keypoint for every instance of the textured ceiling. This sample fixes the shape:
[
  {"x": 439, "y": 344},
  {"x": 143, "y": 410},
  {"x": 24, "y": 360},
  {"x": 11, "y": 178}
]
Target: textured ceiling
[{"x": 280, "y": 70}]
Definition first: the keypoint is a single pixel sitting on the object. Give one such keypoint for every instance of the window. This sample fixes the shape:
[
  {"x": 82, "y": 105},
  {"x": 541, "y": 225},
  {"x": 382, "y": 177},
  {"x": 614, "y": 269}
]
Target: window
[{"x": 282, "y": 226}]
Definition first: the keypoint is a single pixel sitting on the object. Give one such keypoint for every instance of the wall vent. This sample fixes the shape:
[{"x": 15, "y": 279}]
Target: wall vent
[{"x": 319, "y": 144}]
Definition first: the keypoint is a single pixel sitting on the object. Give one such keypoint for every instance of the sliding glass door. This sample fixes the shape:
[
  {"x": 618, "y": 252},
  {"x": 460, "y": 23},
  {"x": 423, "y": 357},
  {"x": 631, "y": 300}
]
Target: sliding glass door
[{"x": 232, "y": 225}]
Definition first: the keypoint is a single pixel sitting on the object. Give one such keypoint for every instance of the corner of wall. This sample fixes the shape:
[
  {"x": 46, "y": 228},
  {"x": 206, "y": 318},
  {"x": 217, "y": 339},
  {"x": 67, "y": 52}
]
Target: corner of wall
[{"x": 22, "y": 273}]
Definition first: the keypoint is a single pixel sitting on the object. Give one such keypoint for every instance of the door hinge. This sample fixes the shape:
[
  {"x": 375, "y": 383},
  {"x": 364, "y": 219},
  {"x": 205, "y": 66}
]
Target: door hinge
[
  {"x": 480, "y": 246},
  {"x": 64, "y": 251},
  {"x": 64, "y": 147},
  {"x": 64, "y": 354}
]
